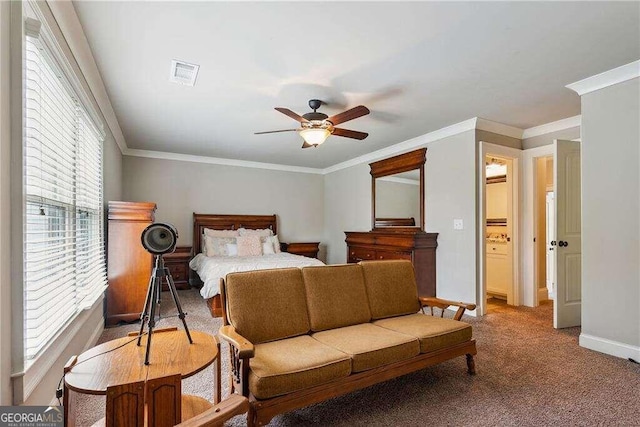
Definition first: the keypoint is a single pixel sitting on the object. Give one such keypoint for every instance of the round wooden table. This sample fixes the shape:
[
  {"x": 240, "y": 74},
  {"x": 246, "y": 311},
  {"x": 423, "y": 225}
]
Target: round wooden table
[{"x": 121, "y": 361}]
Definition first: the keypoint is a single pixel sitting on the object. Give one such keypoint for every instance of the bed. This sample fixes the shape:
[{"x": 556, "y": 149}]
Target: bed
[{"x": 209, "y": 270}]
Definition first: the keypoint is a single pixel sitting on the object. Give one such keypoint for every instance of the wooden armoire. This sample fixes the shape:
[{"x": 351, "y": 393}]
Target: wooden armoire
[{"x": 128, "y": 264}]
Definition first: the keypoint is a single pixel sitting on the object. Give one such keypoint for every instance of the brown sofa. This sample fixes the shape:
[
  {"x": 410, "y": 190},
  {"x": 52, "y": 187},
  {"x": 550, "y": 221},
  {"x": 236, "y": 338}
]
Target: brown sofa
[{"x": 301, "y": 336}]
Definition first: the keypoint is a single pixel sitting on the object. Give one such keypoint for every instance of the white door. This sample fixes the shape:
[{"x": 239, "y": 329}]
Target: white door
[
  {"x": 567, "y": 304},
  {"x": 551, "y": 256}
]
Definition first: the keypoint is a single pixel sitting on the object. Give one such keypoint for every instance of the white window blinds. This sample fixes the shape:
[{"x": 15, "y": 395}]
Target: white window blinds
[{"x": 64, "y": 263}]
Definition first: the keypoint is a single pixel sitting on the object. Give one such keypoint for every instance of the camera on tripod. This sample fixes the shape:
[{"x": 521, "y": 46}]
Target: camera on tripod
[{"x": 159, "y": 239}]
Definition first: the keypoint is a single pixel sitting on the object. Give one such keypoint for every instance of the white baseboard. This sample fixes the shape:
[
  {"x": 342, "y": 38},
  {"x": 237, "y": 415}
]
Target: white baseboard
[
  {"x": 614, "y": 348},
  {"x": 543, "y": 294}
]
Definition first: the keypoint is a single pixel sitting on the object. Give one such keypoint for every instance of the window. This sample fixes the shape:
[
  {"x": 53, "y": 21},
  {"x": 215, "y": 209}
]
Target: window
[{"x": 64, "y": 262}]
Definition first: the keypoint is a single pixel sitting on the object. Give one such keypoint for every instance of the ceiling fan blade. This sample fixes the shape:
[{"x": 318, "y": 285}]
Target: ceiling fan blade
[
  {"x": 307, "y": 145},
  {"x": 350, "y": 133},
  {"x": 291, "y": 114},
  {"x": 351, "y": 114},
  {"x": 276, "y": 131}
]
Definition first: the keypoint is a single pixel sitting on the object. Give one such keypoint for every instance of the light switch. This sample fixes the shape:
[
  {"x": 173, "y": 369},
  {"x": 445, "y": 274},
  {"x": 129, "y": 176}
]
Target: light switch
[{"x": 458, "y": 224}]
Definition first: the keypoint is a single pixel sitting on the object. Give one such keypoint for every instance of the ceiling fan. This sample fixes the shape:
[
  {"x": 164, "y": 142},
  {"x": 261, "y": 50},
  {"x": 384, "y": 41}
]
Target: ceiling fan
[{"x": 316, "y": 127}]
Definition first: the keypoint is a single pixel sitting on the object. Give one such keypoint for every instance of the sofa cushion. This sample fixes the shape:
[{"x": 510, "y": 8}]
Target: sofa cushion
[
  {"x": 284, "y": 366},
  {"x": 267, "y": 305},
  {"x": 434, "y": 333},
  {"x": 336, "y": 296},
  {"x": 391, "y": 288},
  {"x": 370, "y": 346}
]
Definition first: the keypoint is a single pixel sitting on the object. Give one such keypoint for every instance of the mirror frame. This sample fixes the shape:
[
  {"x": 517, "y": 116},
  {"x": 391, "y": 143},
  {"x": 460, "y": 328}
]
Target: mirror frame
[{"x": 393, "y": 165}]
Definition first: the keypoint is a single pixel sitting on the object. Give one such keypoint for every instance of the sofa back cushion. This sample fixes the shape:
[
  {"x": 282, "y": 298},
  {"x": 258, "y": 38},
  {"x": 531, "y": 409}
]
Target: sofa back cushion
[
  {"x": 267, "y": 305},
  {"x": 336, "y": 296},
  {"x": 391, "y": 288}
]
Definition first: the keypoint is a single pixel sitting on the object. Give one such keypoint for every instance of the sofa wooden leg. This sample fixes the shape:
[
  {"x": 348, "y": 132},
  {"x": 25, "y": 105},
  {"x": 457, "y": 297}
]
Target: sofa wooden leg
[
  {"x": 252, "y": 416},
  {"x": 471, "y": 364}
]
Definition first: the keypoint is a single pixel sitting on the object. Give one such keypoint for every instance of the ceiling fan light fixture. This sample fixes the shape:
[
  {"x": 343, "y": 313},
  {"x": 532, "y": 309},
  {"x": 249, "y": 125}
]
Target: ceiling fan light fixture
[{"x": 315, "y": 136}]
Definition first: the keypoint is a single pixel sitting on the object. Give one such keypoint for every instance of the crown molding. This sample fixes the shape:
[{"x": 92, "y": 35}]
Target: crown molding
[
  {"x": 405, "y": 146},
  {"x": 568, "y": 123},
  {"x": 606, "y": 79},
  {"x": 399, "y": 148},
  {"x": 67, "y": 20},
  {"x": 499, "y": 128},
  {"x": 163, "y": 155}
]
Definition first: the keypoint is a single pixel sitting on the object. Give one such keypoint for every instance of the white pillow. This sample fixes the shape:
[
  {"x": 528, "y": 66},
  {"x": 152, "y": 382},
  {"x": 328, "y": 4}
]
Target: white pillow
[
  {"x": 267, "y": 248},
  {"x": 276, "y": 243},
  {"x": 232, "y": 249},
  {"x": 273, "y": 241}
]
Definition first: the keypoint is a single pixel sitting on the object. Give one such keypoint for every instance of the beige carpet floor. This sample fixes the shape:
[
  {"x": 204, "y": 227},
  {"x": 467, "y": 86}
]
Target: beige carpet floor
[{"x": 528, "y": 374}]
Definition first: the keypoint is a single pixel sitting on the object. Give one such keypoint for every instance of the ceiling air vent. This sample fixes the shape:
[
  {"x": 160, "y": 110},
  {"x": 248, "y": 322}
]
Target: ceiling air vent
[{"x": 183, "y": 73}]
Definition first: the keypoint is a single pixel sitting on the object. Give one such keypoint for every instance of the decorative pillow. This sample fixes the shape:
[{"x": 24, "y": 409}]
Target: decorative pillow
[
  {"x": 265, "y": 232},
  {"x": 217, "y": 246},
  {"x": 249, "y": 246},
  {"x": 267, "y": 248},
  {"x": 276, "y": 243},
  {"x": 232, "y": 249},
  {"x": 273, "y": 241},
  {"x": 220, "y": 233}
]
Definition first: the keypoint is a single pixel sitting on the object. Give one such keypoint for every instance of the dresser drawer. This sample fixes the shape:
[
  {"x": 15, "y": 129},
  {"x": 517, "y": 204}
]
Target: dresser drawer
[
  {"x": 393, "y": 255},
  {"x": 179, "y": 272},
  {"x": 361, "y": 254}
]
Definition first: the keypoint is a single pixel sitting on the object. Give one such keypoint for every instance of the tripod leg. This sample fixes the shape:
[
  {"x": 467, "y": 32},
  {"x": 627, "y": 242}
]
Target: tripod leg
[
  {"x": 152, "y": 318},
  {"x": 145, "y": 312},
  {"x": 174, "y": 294}
]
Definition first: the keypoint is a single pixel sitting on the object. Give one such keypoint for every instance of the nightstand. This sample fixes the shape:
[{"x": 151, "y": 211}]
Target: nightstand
[
  {"x": 308, "y": 249},
  {"x": 178, "y": 265}
]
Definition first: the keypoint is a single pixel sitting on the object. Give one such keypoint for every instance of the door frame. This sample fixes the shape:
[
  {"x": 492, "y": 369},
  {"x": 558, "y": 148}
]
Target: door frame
[{"x": 515, "y": 155}]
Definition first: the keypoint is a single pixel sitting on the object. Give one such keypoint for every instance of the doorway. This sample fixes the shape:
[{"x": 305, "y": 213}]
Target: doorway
[
  {"x": 498, "y": 226},
  {"x": 544, "y": 226}
]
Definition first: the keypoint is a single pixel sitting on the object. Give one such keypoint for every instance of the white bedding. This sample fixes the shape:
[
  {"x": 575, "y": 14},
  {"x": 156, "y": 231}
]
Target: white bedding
[{"x": 211, "y": 269}]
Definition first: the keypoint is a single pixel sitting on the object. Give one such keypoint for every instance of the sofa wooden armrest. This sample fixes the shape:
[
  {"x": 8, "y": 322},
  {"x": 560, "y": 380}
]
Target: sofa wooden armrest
[
  {"x": 443, "y": 304},
  {"x": 218, "y": 414},
  {"x": 244, "y": 348}
]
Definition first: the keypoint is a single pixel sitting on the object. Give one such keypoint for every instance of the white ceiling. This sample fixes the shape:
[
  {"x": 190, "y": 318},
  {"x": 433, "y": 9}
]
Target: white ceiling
[{"x": 418, "y": 67}]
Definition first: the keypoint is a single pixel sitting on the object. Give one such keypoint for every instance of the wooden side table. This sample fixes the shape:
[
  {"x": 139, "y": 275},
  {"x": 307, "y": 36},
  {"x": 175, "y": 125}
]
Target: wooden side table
[
  {"x": 178, "y": 264},
  {"x": 308, "y": 249},
  {"x": 121, "y": 361}
]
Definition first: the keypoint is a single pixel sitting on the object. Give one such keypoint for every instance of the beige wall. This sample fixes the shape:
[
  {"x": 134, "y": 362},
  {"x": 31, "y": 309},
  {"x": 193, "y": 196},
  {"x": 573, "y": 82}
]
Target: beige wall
[
  {"x": 547, "y": 139},
  {"x": 347, "y": 207},
  {"x": 611, "y": 218},
  {"x": 180, "y": 188},
  {"x": 450, "y": 194},
  {"x": 494, "y": 138}
]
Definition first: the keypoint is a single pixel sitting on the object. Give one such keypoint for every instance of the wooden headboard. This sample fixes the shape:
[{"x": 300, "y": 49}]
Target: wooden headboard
[{"x": 228, "y": 222}]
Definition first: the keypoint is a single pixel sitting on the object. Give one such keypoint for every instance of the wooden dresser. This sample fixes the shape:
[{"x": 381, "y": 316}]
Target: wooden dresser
[
  {"x": 128, "y": 264},
  {"x": 178, "y": 264},
  {"x": 414, "y": 245}
]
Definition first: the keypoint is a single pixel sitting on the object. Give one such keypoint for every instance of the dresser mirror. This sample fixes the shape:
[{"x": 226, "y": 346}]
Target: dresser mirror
[{"x": 397, "y": 191}]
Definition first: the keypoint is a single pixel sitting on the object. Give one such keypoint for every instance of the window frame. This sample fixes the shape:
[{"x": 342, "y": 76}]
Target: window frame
[{"x": 34, "y": 16}]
